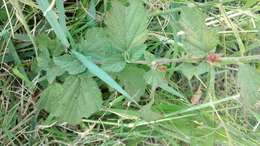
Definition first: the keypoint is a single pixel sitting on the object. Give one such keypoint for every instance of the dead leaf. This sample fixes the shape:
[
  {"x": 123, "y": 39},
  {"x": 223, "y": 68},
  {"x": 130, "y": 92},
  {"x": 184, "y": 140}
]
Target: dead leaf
[{"x": 195, "y": 99}]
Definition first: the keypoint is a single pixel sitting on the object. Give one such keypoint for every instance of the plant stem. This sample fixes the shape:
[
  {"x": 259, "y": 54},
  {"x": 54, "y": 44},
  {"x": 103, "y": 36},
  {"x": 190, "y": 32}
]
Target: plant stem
[{"x": 222, "y": 60}]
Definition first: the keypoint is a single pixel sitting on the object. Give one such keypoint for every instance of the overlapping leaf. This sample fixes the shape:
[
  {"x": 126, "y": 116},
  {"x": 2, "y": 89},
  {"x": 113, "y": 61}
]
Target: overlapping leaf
[
  {"x": 78, "y": 97},
  {"x": 98, "y": 46}
]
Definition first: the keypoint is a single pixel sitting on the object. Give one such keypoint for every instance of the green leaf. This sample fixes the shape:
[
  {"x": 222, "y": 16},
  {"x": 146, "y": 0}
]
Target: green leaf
[
  {"x": 148, "y": 114},
  {"x": 53, "y": 71},
  {"x": 157, "y": 79},
  {"x": 249, "y": 82},
  {"x": 94, "y": 69},
  {"x": 126, "y": 25},
  {"x": 50, "y": 15},
  {"x": 192, "y": 32},
  {"x": 69, "y": 64},
  {"x": 114, "y": 63},
  {"x": 43, "y": 59},
  {"x": 78, "y": 97},
  {"x": 53, "y": 45},
  {"x": 136, "y": 53},
  {"x": 190, "y": 70},
  {"x": 96, "y": 44},
  {"x": 187, "y": 69},
  {"x": 46, "y": 63},
  {"x": 132, "y": 79},
  {"x": 154, "y": 78}
]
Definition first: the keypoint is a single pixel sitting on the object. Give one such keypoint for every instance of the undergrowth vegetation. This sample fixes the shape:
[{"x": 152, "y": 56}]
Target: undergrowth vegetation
[{"x": 130, "y": 72}]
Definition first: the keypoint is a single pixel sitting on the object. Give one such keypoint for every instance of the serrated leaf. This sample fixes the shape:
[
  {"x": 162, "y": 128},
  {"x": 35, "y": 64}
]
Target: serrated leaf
[
  {"x": 78, "y": 97},
  {"x": 132, "y": 79},
  {"x": 96, "y": 44},
  {"x": 126, "y": 25},
  {"x": 69, "y": 64},
  {"x": 192, "y": 32},
  {"x": 249, "y": 82}
]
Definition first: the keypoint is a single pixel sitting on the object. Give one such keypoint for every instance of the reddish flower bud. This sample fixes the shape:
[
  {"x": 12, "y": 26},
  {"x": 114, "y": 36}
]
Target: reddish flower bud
[{"x": 213, "y": 58}]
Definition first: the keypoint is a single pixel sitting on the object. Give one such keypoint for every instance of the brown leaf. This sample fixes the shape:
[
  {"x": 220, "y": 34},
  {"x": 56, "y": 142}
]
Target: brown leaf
[{"x": 195, "y": 99}]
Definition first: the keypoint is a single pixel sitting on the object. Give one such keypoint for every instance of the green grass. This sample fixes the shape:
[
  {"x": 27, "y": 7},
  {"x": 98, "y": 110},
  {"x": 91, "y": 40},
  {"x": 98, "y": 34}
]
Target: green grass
[{"x": 170, "y": 72}]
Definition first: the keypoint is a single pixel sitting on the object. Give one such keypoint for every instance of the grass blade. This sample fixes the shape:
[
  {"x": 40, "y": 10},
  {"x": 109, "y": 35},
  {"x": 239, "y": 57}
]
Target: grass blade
[
  {"x": 51, "y": 17},
  {"x": 94, "y": 69}
]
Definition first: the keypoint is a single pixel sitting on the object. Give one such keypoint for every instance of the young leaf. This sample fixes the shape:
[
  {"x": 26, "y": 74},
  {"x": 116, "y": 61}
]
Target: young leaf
[
  {"x": 196, "y": 38},
  {"x": 249, "y": 82},
  {"x": 69, "y": 64},
  {"x": 132, "y": 79},
  {"x": 78, "y": 97},
  {"x": 126, "y": 25}
]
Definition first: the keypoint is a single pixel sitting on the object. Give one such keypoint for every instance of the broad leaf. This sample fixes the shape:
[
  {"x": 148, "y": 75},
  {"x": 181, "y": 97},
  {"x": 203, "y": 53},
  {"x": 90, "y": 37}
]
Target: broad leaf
[
  {"x": 98, "y": 46},
  {"x": 132, "y": 79},
  {"x": 78, "y": 97},
  {"x": 69, "y": 64},
  {"x": 126, "y": 25},
  {"x": 192, "y": 32},
  {"x": 249, "y": 82}
]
